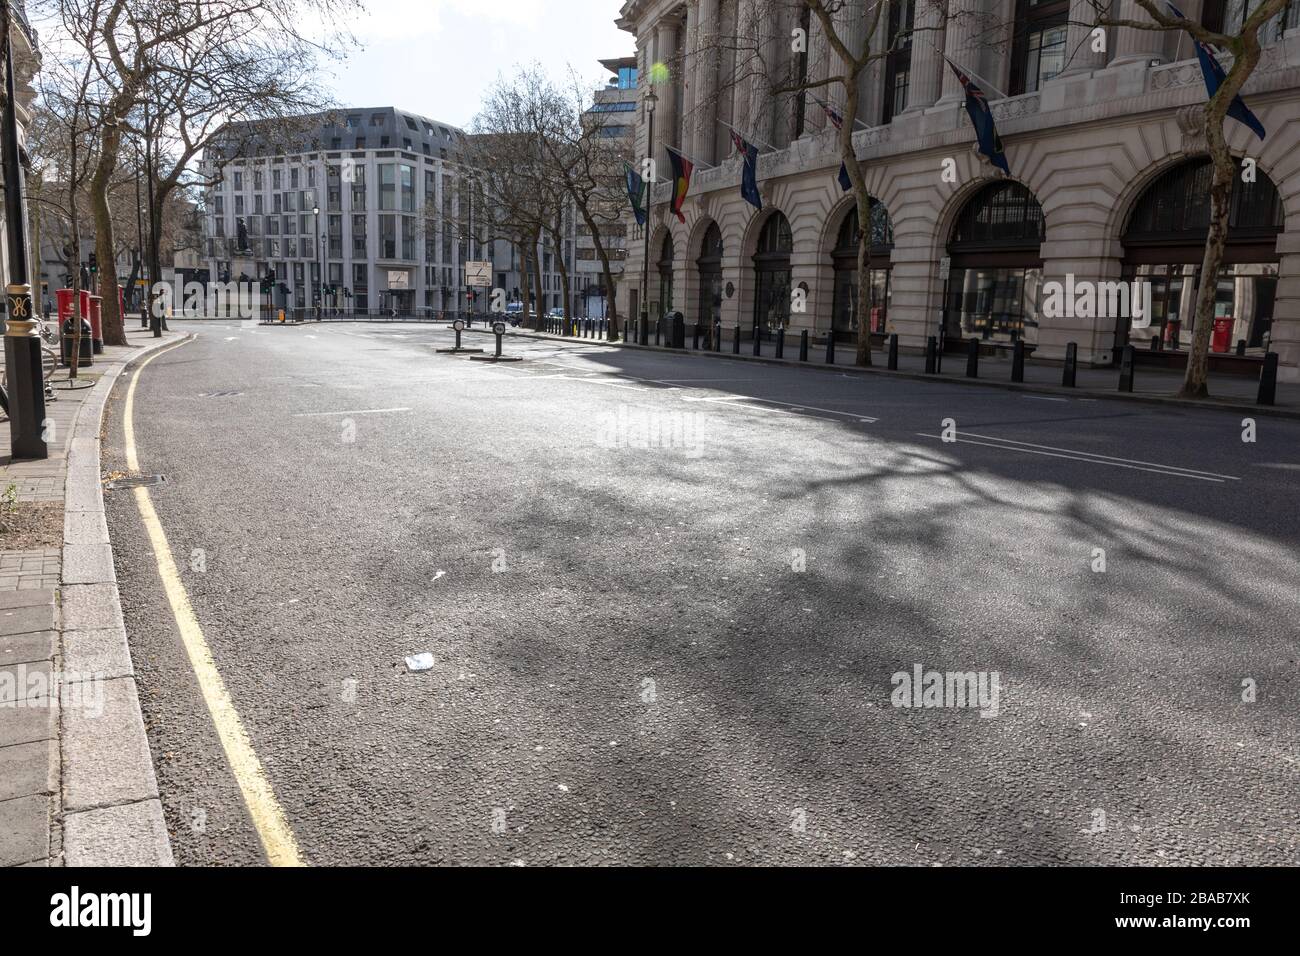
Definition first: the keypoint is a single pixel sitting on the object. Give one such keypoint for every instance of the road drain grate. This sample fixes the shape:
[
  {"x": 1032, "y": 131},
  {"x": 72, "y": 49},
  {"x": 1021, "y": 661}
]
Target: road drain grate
[{"x": 138, "y": 481}]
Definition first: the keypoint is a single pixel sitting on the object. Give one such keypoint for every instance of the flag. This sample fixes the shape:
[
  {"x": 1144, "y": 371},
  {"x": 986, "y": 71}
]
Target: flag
[
  {"x": 981, "y": 117},
  {"x": 1214, "y": 75},
  {"x": 682, "y": 169},
  {"x": 636, "y": 190},
  {"x": 749, "y": 178},
  {"x": 831, "y": 112},
  {"x": 845, "y": 183}
]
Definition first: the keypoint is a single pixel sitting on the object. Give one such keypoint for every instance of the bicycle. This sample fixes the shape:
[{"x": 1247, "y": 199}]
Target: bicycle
[{"x": 49, "y": 363}]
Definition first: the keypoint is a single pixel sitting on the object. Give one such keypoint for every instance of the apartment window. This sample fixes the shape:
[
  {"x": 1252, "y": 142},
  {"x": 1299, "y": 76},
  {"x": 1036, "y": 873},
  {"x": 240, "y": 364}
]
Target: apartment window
[
  {"x": 258, "y": 206},
  {"x": 334, "y": 199},
  {"x": 408, "y": 238},
  {"x": 277, "y": 179},
  {"x": 293, "y": 178},
  {"x": 221, "y": 205},
  {"x": 311, "y": 177},
  {"x": 377, "y": 119},
  {"x": 290, "y": 202},
  {"x": 273, "y": 245},
  {"x": 430, "y": 240},
  {"x": 388, "y": 237},
  {"x": 408, "y": 187},
  {"x": 387, "y": 186},
  {"x": 360, "y": 143},
  {"x": 239, "y": 181},
  {"x": 291, "y": 248},
  {"x": 898, "y": 62},
  {"x": 290, "y": 225},
  {"x": 1038, "y": 53},
  {"x": 304, "y": 224},
  {"x": 272, "y": 225},
  {"x": 219, "y": 228},
  {"x": 277, "y": 203},
  {"x": 446, "y": 242},
  {"x": 239, "y": 205},
  {"x": 352, "y": 122},
  {"x": 257, "y": 179}
]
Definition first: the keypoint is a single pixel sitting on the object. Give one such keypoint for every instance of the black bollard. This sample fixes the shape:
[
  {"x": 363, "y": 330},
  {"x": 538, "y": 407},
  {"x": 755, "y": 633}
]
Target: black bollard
[
  {"x": 780, "y": 342},
  {"x": 1268, "y": 380},
  {"x": 717, "y": 335},
  {"x": 695, "y": 339},
  {"x": 1126, "y": 369},
  {"x": 830, "y": 347},
  {"x": 645, "y": 330},
  {"x": 803, "y": 346},
  {"x": 1071, "y": 365},
  {"x": 1018, "y": 361},
  {"x": 758, "y": 342},
  {"x": 1241, "y": 346},
  {"x": 1155, "y": 343},
  {"x": 735, "y": 345},
  {"x": 893, "y": 352},
  {"x": 973, "y": 358},
  {"x": 659, "y": 330},
  {"x": 931, "y": 352}
]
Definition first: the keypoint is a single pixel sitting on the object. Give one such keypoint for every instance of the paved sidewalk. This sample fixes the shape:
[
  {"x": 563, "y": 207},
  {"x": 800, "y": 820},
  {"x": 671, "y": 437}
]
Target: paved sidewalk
[
  {"x": 1150, "y": 384},
  {"x": 77, "y": 785}
]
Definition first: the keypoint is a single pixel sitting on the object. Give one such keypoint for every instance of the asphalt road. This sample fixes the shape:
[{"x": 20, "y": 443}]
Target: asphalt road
[{"x": 667, "y": 597}]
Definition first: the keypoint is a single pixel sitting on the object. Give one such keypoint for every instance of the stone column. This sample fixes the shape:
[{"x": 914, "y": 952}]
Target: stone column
[
  {"x": 928, "y": 67},
  {"x": 666, "y": 109},
  {"x": 741, "y": 80},
  {"x": 851, "y": 26},
  {"x": 1136, "y": 45},
  {"x": 960, "y": 46},
  {"x": 1079, "y": 41},
  {"x": 684, "y": 73},
  {"x": 819, "y": 52},
  {"x": 706, "y": 83}
]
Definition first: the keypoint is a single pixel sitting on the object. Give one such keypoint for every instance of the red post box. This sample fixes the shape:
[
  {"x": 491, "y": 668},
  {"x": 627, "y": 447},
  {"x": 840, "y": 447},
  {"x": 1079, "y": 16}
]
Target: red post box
[
  {"x": 64, "y": 297},
  {"x": 96, "y": 322},
  {"x": 1221, "y": 339}
]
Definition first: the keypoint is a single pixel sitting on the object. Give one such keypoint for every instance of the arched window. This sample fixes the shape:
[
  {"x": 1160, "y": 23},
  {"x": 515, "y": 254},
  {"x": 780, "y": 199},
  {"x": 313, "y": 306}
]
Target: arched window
[
  {"x": 844, "y": 258},
  {"x": 665, "y": 278},
  {"x": 1164, "y": 244},
  {"x": 710, "y": 268},
  {"x": 772, "y": 274},
  {"x": 996, "y": 267}
]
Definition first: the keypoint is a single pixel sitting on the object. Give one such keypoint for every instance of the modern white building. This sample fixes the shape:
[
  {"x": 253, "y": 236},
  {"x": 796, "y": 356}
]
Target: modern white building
[
  {"x": 1108, "y": 176},
  {"x": 370, "y": 206}
]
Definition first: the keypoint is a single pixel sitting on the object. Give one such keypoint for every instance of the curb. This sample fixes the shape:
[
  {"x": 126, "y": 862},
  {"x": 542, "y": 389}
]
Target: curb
[
  {"x": 111, "y": 811},
  {"x": 1266, "y": 411}
]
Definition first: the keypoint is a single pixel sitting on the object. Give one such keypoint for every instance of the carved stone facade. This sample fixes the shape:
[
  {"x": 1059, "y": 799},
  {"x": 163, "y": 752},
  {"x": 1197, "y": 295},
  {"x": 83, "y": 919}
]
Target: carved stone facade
[{"x": 1086, "y": 143}]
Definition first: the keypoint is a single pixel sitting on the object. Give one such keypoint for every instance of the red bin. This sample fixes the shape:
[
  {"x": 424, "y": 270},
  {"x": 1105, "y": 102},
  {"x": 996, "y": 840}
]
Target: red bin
[{"x": 1221, "y": 339}]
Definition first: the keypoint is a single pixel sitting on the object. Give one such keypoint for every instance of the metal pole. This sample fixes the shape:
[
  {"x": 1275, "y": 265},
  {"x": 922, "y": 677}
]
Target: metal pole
[
  {"x": 22, "y": 340},
  {"x": 649, "y": 208}
]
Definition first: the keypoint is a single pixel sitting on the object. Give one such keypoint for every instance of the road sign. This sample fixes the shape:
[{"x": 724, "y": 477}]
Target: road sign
[
  {"x": 478, "y": 274},
  {"x": 458, "y": 325},
  {"x": 499, "y": 328}
]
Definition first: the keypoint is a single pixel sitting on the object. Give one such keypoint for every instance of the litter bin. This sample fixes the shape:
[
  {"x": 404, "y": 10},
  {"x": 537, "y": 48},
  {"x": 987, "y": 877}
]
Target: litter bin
[
  {"x": 85, "y": 354},
  {"x": 679, "y": 331}
]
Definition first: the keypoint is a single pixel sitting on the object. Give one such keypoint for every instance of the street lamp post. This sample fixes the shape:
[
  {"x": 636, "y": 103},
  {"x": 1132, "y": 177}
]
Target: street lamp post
[
  {"x": 320, "y": 279},
  {"x": 650, "y": 102},
  {"x": 22, "y": 339}
]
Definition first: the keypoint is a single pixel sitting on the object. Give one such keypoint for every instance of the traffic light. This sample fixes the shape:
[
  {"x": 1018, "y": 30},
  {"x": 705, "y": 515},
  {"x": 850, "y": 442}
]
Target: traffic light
[{"x": 94, "y": 264}]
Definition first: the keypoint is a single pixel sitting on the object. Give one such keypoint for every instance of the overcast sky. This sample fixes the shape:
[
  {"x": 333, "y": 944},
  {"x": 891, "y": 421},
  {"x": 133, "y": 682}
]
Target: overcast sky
[{"x": 436, "y": 57}]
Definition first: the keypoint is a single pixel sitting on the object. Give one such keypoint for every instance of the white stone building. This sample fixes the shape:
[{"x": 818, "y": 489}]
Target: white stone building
[{"x": 1108, "y": 176}]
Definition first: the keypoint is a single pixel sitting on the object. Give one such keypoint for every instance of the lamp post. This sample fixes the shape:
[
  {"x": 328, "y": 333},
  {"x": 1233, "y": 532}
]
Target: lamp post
[
  {"x": 320, "y": 279},
  {"x": 650, "y": 102},
  {"x": 26, "y": 403}
]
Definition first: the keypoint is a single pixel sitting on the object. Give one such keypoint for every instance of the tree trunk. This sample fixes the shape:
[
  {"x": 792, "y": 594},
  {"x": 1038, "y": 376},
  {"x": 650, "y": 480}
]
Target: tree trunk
[
  {"x": 863, "y": 202},
  {"x": 110, "y": 313},
  {"x": 525, "y": 266},
  {"x": 537, "y": 281},
  {"x": 558, "y": 244},
  {"x": 611, "y": 308}
]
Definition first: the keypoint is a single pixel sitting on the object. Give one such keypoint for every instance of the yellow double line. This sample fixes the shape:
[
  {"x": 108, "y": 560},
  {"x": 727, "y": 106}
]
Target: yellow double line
[{"x": 267, "y": 814}]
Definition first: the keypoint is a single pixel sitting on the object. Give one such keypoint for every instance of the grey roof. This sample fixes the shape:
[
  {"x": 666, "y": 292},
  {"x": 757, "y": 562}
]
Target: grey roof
[{"x": 383, "y": 127}]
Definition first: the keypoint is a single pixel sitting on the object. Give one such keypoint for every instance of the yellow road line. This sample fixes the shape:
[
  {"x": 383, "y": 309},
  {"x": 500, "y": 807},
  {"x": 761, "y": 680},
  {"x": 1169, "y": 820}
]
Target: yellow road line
[{"x": 267, "y": 814}]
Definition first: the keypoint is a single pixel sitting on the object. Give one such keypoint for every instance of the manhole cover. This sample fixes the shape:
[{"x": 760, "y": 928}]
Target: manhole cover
[{"x": 139, "y": 481}]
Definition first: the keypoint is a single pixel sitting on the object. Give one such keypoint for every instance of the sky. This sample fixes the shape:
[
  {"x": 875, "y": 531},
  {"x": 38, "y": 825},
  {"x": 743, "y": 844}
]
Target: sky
[{"x": 437, "y": 57}]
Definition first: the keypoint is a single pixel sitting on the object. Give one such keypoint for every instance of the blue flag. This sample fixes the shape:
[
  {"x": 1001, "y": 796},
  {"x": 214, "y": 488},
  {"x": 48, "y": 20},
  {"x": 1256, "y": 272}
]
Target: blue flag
[
  {"x": 981, "y": 117},
  {"x": 636, "y": 194},
  {"x": 845, "y": 182},
  {"x": 749, "y": 178},
  {"x": 1214, "y": 76}
]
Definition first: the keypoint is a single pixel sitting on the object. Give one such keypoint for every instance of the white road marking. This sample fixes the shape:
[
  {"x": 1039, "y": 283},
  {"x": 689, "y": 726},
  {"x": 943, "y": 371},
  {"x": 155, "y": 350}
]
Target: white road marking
[
  {"x": 1131, "y": 461},
  {"x": 1169, "y": 470},
  {"x": 364, "y": 411}
]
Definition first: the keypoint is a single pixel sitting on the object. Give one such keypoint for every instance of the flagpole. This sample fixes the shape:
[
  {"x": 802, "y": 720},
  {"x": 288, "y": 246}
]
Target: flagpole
[
  {"x": 693, "y": 162},
  {"x": 756, "y": 142},
  {"x": 971, "y": 73}
]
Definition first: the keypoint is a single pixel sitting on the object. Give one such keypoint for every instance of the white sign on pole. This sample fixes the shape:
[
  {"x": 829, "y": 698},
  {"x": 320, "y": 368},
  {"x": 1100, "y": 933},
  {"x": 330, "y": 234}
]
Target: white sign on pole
[
  {"x": 945, "y": 268},
  {"x": 478, "y": 274}
]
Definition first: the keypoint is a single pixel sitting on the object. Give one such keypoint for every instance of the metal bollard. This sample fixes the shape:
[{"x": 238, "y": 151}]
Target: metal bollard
[
  {"x": 1129, "y": 356},
  {"x": 695, "y": 339},
  {"x": 758, "y": 341},
  {"x": 659, "y": 330},
  {"x": 780, "y": 342},
  {"x": 1268, "y": 380},
  {"x": 717, "y": 335},
  {"x": 645, "y": 330},
  {"x": 1071, "y": 365},
  {"x": 1018, "y": 361},
  {"x": 893, "y": 352},
  {"x": 735, "y": 345},
  {"x": 830, "y": 347},
  {"x": 1241, "y": 346},
  {"x": 803, "y": 346},
  {"x": 931, "y": 352},
  {"x": 973, "y": 358}
]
